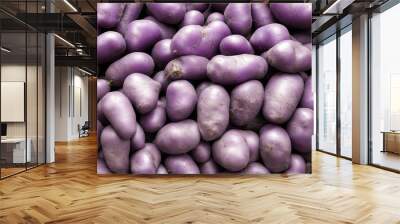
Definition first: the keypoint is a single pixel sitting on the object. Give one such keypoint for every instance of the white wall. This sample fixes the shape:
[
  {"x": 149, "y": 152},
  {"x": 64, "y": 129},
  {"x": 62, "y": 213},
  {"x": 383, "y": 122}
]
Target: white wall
[{"x": 70, "y": 84}]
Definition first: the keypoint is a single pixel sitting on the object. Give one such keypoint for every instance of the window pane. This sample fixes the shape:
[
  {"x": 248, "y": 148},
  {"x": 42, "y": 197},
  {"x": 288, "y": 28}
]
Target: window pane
[
  {"x": 346, "y": 93},
  {"x": 327, "y": 96}
]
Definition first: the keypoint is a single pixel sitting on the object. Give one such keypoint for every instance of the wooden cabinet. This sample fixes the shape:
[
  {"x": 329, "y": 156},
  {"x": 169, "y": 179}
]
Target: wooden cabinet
[{"x": 391, "y": 142}]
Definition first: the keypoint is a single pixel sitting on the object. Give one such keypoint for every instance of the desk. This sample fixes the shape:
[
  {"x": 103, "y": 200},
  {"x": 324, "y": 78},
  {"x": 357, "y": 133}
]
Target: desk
[
  {"x": 391, "y": 141},
  {"x": 16, "y": 147}
]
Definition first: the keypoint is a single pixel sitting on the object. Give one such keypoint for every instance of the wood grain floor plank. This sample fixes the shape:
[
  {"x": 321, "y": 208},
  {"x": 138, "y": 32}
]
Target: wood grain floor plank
[{"x": 70, "y": 191}]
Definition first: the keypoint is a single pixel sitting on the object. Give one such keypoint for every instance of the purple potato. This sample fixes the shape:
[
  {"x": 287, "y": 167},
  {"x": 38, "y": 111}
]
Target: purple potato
[
  {"x": 141, "y": 35},
  {"x": 116, "y": 150},
  {"x": 178, "y": 137},
  {"x": 255, "y": 168},
  {"x": 181, "y": 164},
  {"x": 167, "y": 32},
  {"x": 138, "y": 141},
  {"x": 202, "y": 86},
  {"x": 181, "y": 100},
  {"x": 161, "y": 78},
  {"x": 238, "y": 18},
  {"x": 142, "y": 91},
  {"x": 171, "y": 13},
  {"x": 294, "y": 15},
  {"x": 307, "y": 100},
  {"x": 201, "y": 153},
  {"x": 109, "y": 14},
  {"x": 279, "y": 103},
  {"x": 146, "y": 160},
  {"x": 275, "y": 148},
  {"x": 189, "y": 67},
  {"x": 231, "y": 151},
  {"x": 110, "y": 46},
  {"x": 209, "y": 167},
  {"x": 103, "y": 87},
  {"x": 152, "y": 148},
  {"x": 198, "y": 40},
  {"x": 265, "y": 37},
  {"x": 153, "y": 121},
  {"x": 213, "y": 112},
  {"x": 161, "y": 170},
  {"x": 99, "y": 130},
  {"x": 237, "y": 69},
  {"x": 253, "y": 142},
  {"x": 289, "y": 56},
  {"x": 219, "y": 7},
  {"x": 131, "y": 13},
  {"x": 100, "y": 115},
  {"x": 162, "y": 53},
  {"x": 297, "y": 165},
  {"x": 193, "y": 17},
  {"x": 246, "y": 101},
  {"x": 261, "y": 14},
  {"x": 142, "y": 163},
  {"x": 102, "y": 167},
  {"x": 235, "y": 44},
  {"x": 300, "y": 129},
  {"x": 136, "y": 62},
  {"x": 119, "y": 112},
  {"x": 215, "y": 16},
  {"x": 201, "y": 7},
  {"x": 302, "y": 37}
]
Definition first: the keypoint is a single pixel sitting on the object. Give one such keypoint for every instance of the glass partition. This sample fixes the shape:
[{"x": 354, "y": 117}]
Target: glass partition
[
  {"x": 23, "y": 88},
  {"x": 327, "y": 95},
  {"x": 14, "y": 151}
]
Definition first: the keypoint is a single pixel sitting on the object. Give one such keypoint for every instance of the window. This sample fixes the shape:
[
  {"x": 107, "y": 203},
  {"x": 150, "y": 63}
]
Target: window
[
  {"x": 385, "y": 89},
  {"x": 346, "y": 74},
  {"x": 327, "y": 95}
]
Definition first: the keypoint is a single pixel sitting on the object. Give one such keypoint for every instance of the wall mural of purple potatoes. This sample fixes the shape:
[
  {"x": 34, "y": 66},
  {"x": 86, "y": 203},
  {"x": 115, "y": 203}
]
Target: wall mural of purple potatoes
[{"x": 204, "y": 88}]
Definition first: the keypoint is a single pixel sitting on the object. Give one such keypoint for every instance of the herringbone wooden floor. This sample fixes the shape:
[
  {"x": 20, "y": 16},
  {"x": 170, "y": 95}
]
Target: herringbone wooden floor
[{"x": 69, "y": 191}]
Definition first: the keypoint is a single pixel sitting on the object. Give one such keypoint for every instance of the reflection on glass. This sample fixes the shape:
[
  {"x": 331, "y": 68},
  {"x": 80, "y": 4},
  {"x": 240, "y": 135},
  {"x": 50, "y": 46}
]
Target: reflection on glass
[
  {"x": 14, "y": 146},
  {"x": 327, "y": 96},
  {"x": 22, "y": 88},
  {"x": 346, "y": 93},
  {"x": 385, "y": 84}
]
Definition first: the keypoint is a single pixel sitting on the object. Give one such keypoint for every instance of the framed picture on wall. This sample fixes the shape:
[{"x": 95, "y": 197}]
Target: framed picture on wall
[{"x": 204, "y": 88}]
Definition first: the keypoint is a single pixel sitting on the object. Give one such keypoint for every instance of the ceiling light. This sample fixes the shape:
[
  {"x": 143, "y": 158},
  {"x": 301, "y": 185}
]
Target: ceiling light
[
  {"x": 70, "y": 5},
  {"x": 84, "y": 71},
  {"x": 337, "y": 7},
  {"x": 5, "y": 50},
  {"x": 65, "y": 41}
]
